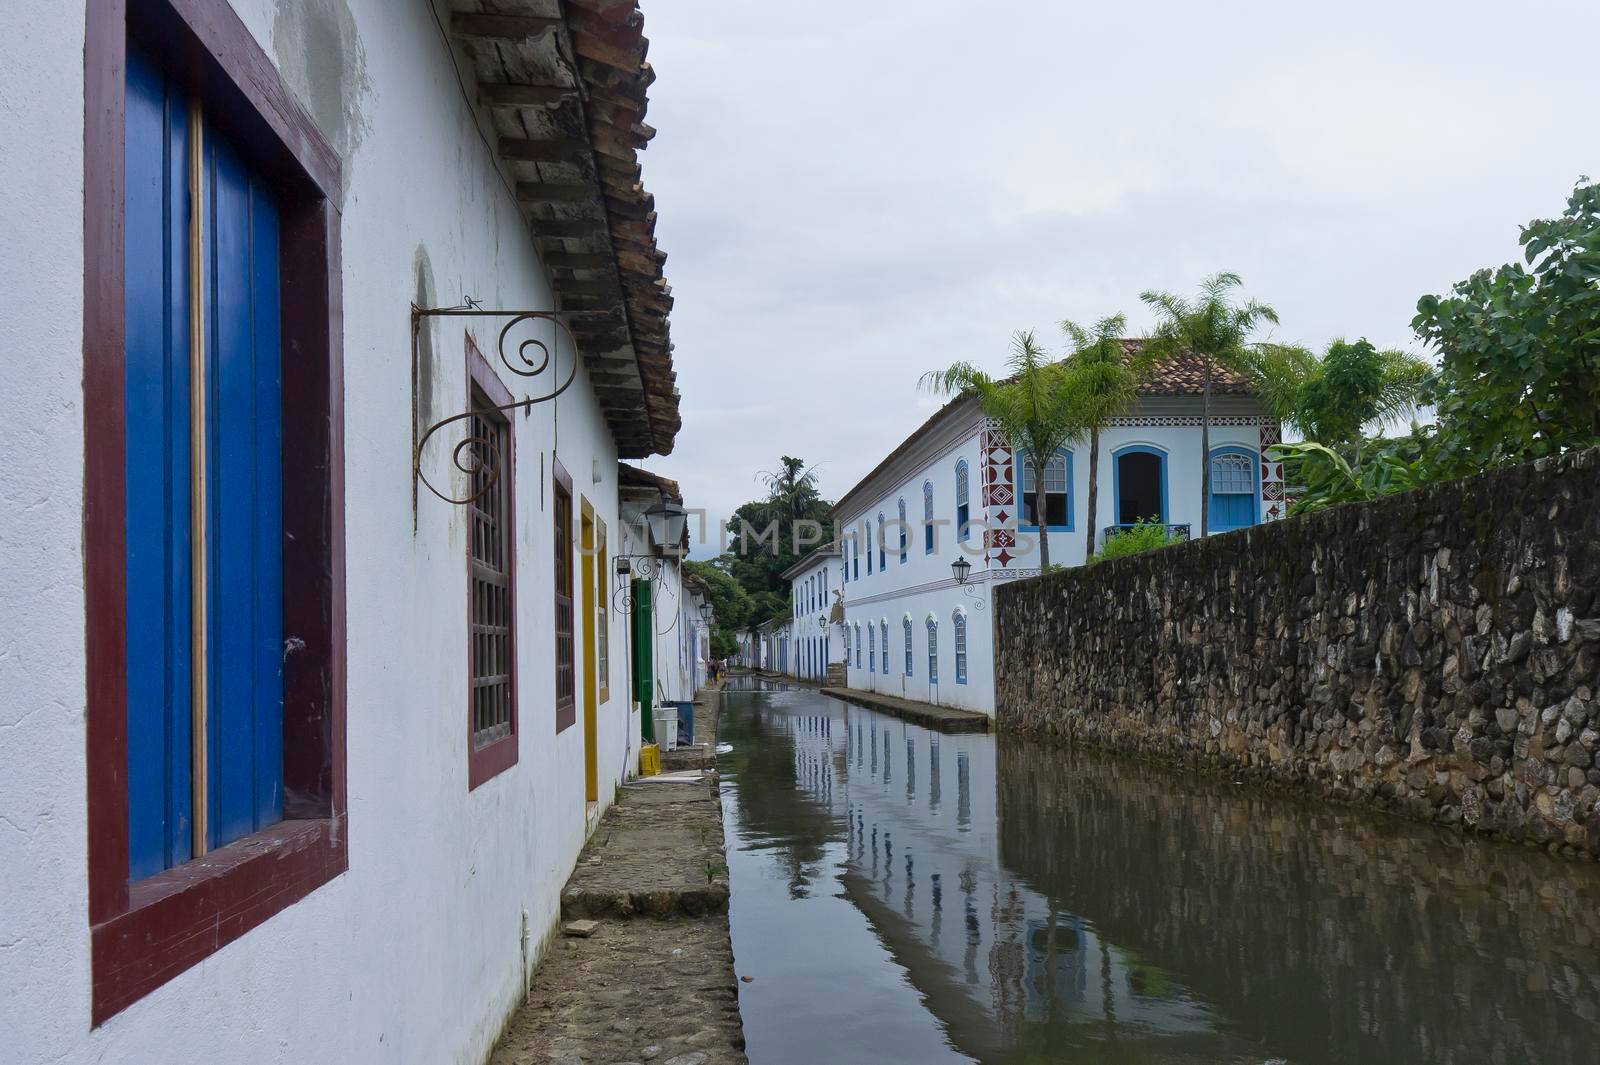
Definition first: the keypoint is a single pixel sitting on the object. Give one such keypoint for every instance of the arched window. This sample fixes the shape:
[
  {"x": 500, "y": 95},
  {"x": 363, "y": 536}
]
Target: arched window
[
  {"x": 1057, "y": 493},
  {"x": 1139, "y": 484},
  {"x": 963, "y": 509},
  {"x": 880, "y": 540},
  {"x": 906, "y": 624},
  {"x": 872, "y": 650},
  {"x": 869, "y": 548},
  {"x": 847, "y": 646},
  {"x": 903, "y": 531},
  {"x": 883, "y": 642},
  {"x": 933, "y": 651},
  {"x": 1233, "y": 488},
  {"x": 927, "y": 517},
  {"x": 958, "y": 625},
  {"x": 858, "y": 645},
  {"x": 855, "y": 556}
]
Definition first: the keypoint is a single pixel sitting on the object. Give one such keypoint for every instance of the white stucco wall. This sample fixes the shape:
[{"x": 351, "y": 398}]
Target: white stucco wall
[
  {"x": 419, "y": 951},
  {"x": 818, "y": 641}
]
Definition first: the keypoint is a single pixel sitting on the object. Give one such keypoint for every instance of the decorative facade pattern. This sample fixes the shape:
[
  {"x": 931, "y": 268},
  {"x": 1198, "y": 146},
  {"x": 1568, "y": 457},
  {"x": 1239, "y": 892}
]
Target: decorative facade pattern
[
  {"x": 999, "y": 494},
  {"x": 1274, "y": 503},
  {"x": 1187, "y": 421}
]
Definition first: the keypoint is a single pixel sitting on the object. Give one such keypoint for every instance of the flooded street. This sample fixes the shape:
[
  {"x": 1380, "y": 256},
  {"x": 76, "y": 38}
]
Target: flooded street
[{"x": 904, "y": 896}]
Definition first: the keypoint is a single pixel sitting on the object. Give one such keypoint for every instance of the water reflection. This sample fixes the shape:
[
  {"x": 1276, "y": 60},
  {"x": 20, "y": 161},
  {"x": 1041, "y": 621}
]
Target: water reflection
[{"x": 1067, "y": 909}]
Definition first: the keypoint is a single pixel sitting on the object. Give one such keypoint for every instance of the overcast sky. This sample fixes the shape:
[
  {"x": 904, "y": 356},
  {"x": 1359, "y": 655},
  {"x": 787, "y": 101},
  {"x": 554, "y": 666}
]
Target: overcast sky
[{"x": 853, "y": 194}]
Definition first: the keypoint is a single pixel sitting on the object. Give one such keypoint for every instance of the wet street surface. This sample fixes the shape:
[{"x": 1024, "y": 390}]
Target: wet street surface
[{"x": 899, "y": 895}]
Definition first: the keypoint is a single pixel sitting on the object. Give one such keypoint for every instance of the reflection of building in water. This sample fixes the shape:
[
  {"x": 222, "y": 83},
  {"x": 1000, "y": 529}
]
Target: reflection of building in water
[{"x": 990, "y": 956}]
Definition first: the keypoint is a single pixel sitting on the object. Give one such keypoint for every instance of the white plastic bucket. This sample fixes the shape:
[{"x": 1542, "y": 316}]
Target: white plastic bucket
[{"x": 666, "y": 719}]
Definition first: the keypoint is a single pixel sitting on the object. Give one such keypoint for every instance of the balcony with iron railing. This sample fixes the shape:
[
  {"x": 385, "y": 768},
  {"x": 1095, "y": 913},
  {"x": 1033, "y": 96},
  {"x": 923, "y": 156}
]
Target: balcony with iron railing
[{"x": 1179, "y": 531}]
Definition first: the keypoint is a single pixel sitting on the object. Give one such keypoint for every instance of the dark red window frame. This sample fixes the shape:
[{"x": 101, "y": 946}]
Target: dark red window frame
[
  {"x": 566, "y": 629},
  {"x": 494, "y": 758},
  {"x": 145, "y": 933}
]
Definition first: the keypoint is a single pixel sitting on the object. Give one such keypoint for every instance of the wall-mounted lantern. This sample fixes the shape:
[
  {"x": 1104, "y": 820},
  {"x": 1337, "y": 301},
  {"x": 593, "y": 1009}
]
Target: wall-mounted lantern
[
  {"x": 667, "y": 521},
  {"x": 961, "y": 570}
]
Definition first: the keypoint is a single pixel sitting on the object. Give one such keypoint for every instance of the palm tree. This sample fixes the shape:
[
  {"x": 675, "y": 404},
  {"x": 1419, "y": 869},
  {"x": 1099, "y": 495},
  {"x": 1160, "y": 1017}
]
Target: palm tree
[
  {"x": 1103, "y": 377},
  {"x": 792, "y": 489},
  {"x": 1033, "y": 406},
  {"x": 1216, "y": 329},
  {"x": 1331, "y": 399}
]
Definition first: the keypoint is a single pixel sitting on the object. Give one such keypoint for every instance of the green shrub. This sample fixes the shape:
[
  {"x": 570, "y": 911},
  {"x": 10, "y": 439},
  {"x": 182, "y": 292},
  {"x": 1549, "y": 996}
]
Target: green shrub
[{"x": 1138, "y": 538}]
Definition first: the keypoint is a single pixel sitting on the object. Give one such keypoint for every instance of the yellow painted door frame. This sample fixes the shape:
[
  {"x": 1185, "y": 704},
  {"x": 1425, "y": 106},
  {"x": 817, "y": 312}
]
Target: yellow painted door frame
[{"x": 591, "y": 768}]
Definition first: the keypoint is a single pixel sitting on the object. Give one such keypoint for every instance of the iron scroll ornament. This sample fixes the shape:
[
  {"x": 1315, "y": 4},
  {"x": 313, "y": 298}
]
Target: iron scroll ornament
[{"x": 475, "y": 455}]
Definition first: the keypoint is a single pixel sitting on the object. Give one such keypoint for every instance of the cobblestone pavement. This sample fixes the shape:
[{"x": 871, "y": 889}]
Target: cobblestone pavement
[{"x": 655, "y": 981}]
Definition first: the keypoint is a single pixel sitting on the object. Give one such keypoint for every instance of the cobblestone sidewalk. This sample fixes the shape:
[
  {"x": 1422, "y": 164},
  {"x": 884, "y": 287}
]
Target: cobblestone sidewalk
[{"x": 654, "y": 980}]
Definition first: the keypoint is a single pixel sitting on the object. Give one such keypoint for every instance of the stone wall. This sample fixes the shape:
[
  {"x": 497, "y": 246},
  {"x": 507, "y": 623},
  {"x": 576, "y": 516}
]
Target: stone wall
[{"x": 1436, "y": 653}]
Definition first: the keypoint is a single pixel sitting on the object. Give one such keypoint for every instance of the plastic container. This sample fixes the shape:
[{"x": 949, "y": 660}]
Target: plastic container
[
  {"x": 666, "y": 719},
  {"x": 649, "y": 760}
]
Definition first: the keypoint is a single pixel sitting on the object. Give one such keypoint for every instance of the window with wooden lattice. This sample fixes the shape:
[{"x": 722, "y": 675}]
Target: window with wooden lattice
[
  {"x": 566, "y": 703},
  {"x": 491, "y": 598}
]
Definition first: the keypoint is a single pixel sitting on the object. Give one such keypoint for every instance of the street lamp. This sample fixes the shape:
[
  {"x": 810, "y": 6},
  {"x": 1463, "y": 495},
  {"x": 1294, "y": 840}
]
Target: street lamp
[
  {"x": 961, "y": 569},
  {"x": 666, "y": 523},
  {"x": 705, "y": 612}
]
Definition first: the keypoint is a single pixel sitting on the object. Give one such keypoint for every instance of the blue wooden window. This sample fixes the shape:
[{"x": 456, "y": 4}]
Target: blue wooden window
[
  {"x": 1234, "y": 494},
  {"x": 872, "y": 650},
  {"x": 883, "y": 641},
  {"x": 904, "y": 532},
  {"x": 1057, "y": 493},
  {"x": 958, "y": 625},
  {"x": 906, "y": 625},
  {"x": 855, "y": 556},
  {"x": 963, "y": 504},
  {"x": 869, "y": 548},
  {"x": 235, "y": 447},
  {"x": 858, "y": 645},
  {"x": 927, "y": 517},
  {"x": 933, "y": 651},
  {"x": 881, "y": 562},
  {"x": 847, "y": 645}
]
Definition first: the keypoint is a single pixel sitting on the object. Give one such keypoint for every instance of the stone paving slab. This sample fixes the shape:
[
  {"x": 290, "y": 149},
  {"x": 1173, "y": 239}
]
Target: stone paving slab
[
  {"x": 637, "y": 990},
  {"x": 938, "y": 718}
]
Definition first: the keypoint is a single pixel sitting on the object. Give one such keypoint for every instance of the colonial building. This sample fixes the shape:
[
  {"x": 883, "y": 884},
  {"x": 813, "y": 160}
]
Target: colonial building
[
  {"x": 954, "y": 491},
  {"x": 817, "y": 616},
  {"x": 328, "y": 324}
]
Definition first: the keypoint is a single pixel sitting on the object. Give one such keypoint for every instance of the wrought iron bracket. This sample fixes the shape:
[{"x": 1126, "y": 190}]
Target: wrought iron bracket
[{"x": 529, "y": 358}]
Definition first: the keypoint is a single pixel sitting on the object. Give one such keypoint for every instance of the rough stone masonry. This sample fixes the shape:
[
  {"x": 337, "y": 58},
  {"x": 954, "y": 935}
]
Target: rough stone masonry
[{"x": 1436, "y": 653}]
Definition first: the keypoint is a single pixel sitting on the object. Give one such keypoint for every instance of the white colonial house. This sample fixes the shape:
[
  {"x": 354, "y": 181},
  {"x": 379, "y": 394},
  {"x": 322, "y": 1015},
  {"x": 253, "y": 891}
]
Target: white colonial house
[
  {"x": 313, "y": 680},
  {"x": 816, "y": 616},
  {"x": 954, "y": 492}
]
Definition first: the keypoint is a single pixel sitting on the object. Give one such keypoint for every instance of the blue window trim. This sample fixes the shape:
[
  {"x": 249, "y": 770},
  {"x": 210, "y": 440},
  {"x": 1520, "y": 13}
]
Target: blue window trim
[
  {"x": 1072, "y": 524},
  {"x": 933, "y": 650},
  {"x": 958, "y": 630},
  {"x": 872, "y": 650},
  {"x": 882, "y": 561},
  {"x": 1255, "y": 483},
  {"x": 1116, "y": 479},
  {"x": 883, "y": 636},
  {"x": 927, "y": 517},
  {"x": 905, "y": 624},
  {"x": 905, "y": 532},
  {"x": 869, "y": 548},
  {"x": 963, "y": 499}
]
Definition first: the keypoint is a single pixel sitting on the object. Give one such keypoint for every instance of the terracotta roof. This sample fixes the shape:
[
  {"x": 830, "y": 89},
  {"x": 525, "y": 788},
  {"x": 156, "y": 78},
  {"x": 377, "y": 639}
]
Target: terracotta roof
[
  {"x": 565, "y": 85},
  {"x": 1184, "y": 375},
  {"x": 633, "y": 477},
  {"x": 1181, "y": 375}
]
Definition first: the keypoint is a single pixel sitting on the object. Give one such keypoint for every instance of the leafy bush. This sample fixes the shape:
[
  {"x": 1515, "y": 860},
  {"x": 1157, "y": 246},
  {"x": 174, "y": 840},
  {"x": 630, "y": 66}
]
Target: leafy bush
[
  {"x": 1519, "y": 347},
  {"x": 1323, "y": 477},
  {"x": 1138, "y": 538}
]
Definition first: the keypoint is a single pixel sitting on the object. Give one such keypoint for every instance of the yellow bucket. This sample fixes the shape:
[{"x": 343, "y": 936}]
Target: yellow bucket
[{"x": 649, "y": 760}]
